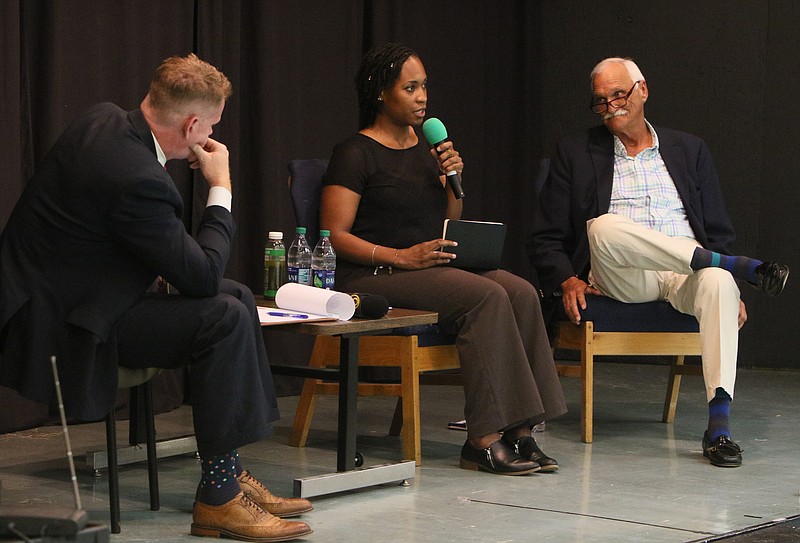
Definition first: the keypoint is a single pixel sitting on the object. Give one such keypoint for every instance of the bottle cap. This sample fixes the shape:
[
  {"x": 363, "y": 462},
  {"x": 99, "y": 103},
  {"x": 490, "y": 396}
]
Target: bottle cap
[
  {"x": 324, "y": 233},
  {"x": 276, "y": 235},
  {"x": 300, "y": 230}
]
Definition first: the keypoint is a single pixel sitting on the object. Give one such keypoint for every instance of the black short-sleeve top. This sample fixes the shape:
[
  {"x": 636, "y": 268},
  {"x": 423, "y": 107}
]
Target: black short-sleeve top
[{"x": 402, "y": 202}]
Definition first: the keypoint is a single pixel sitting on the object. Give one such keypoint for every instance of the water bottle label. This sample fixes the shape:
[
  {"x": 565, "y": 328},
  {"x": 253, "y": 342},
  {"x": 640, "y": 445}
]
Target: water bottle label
[
  {"x": 299, "y": 275},
  {"x": 324, "y": 278}
]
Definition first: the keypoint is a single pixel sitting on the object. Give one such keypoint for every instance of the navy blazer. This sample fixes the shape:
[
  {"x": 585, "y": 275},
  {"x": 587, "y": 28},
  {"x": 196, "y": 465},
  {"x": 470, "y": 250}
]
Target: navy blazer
[
  {"x": 95, "y": 226},
  {"x": 578, "y": 188}
]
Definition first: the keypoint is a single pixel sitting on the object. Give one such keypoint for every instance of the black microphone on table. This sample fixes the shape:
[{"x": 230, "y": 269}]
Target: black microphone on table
[
  {"x": 369, "y": 306},
  {"x": 435, "y": 133}
]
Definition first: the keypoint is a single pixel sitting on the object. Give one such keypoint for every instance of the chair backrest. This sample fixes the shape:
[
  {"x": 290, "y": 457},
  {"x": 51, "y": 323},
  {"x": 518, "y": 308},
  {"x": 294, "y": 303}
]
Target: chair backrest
[{"x": 305, "y": 185}]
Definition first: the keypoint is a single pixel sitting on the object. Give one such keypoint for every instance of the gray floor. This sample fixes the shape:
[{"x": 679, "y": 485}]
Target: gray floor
[{"x": 641, "y": 480}]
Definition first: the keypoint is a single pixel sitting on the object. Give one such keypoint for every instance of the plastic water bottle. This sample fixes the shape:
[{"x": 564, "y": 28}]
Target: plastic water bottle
[
  {"x": 274, "y": 264},
  {"x": 298, "y": 259},
  {"x": 323, "y": 261}
]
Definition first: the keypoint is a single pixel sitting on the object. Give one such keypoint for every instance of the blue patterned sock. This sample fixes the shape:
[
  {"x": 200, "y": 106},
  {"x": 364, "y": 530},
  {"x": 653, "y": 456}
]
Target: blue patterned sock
[
  {"x": 219, "y": 483},
  {"x": 740, "y": 267},
  {"x": 719, "y": 410}
]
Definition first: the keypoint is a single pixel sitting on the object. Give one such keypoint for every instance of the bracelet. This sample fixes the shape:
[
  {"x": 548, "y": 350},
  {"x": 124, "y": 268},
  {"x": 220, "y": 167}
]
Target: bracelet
[
  {"x": 372, "y": 257},
  {"x": 394, "y": 258}
]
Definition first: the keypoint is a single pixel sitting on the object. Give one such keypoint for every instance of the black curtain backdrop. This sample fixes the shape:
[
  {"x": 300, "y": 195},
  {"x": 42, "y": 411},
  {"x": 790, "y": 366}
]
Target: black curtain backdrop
[{"x": 508, "y": 78}]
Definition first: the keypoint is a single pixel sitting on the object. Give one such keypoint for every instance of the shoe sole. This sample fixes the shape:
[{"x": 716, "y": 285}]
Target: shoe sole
[
  {"x": 722, "y": 464},
  {"x": 474, "y": 466},
  {"x": 783, "y": 284},
  {"x": 205, "y": 531},
  {"x": 548, "y": 469},
  {"x": 288, "y": 514}
]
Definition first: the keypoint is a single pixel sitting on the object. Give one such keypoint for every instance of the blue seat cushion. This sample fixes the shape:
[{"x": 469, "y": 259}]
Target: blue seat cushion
[{"x": 609, "y": 315}]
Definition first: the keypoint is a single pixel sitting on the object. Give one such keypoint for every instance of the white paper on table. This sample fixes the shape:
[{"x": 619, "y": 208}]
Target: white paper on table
[
  {"x": 307, "y": 299},
  {"x": 275, "y": 315}
]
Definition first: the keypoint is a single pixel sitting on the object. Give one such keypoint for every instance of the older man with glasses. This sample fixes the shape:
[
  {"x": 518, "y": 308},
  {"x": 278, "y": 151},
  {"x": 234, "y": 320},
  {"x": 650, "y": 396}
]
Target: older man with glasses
[{"x": 636, "y": 213}]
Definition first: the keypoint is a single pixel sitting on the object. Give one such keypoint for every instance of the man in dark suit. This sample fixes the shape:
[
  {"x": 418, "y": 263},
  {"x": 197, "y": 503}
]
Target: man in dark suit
[
  {"x": 96, "y": 225},
  {"x": 636, "y": 213}
]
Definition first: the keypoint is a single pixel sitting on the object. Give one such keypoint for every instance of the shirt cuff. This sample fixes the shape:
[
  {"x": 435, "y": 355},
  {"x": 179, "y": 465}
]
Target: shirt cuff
[{"x": 219, "y": 196}]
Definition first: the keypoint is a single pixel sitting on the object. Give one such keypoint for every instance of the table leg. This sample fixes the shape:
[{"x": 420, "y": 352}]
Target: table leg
[{"x": 348, "y": 400}]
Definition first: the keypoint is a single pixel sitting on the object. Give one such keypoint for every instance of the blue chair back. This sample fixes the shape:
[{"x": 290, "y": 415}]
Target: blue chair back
[{"x": 305, "y": 188}]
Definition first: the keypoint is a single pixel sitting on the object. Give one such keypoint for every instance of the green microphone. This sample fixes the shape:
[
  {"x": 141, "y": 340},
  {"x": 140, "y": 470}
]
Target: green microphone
[{"x": 435, "y": 133}]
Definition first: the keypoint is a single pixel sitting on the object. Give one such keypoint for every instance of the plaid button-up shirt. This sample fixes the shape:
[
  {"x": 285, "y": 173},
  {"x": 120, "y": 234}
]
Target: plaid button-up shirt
[{"x": 644, "y": 192}]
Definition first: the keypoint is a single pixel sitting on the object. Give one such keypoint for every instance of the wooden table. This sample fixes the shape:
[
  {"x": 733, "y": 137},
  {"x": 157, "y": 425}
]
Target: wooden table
[{"x": 347, "y": 476}]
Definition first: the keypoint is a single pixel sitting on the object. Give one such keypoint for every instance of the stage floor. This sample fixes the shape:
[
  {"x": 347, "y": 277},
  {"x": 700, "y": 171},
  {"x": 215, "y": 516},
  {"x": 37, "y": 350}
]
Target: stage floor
[{"x": 641, "y": 480}]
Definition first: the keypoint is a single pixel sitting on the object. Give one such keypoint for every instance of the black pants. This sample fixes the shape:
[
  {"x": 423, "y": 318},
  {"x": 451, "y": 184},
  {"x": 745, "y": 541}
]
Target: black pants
[
  {"x": 506, "y": 360},
  {"x": 219, "y": 338}
]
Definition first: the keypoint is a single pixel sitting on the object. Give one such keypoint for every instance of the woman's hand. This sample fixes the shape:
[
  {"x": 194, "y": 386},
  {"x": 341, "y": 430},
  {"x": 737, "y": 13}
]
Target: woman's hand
[
  {"x": 448, "y": 158},
  {"x": 425, "y": 255}
]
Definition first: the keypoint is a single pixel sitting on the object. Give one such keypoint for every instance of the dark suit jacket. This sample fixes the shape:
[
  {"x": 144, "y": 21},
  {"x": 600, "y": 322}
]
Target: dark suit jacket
[
  {"x": 578, "y": 188},
  {"x": 97, "y": 223}
]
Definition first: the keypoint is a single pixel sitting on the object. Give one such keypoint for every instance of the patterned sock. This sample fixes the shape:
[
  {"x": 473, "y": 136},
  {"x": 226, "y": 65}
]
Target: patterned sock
[
  {"x": 718, "y": 412},
  {"x": 219, "y": 483},
  {"x": 237, "y": 464},
  {"x": 740, "y": 267}
]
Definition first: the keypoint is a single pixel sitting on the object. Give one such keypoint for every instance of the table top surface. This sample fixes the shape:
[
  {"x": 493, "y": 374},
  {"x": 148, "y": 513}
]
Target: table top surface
[{"x": 395, "y": 318}]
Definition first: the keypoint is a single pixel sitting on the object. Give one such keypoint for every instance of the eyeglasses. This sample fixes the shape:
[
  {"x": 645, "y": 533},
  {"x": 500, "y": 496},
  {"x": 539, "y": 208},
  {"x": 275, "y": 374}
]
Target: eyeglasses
[{"x": 601, "y": 106}]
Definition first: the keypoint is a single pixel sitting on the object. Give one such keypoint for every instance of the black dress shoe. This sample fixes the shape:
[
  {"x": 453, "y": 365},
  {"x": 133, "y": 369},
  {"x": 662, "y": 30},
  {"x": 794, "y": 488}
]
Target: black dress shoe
[
  {"x": 527, "y": 448},
  {"x": 723, "y": 452},
  {"x": 497, "y": 458},
  {"x": 771, "y": 277}
]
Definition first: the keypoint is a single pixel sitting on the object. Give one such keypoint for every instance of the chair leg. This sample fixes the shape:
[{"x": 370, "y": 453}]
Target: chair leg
[
  {"x": 673, "y": 388},
  {"x": 397, "y": 418},
  {"x": 304, "y": 414},
  {"x": 409, "y": 387},
  {"x": 587, "y": 379},
  {"x": 326, "y": 350},
  {"x": 146, "y": 390},
  {"x": 113, "y": 473}
]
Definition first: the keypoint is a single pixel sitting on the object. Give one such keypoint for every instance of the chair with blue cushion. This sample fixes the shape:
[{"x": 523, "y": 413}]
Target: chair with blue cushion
[
  {"x": 613, "y": 328},
  {"x": 415, "y": 350}
]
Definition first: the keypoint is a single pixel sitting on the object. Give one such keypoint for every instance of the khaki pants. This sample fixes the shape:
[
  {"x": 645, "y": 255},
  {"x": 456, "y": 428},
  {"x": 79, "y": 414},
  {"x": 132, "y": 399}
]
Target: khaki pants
[{"x": 633, "y": 263}]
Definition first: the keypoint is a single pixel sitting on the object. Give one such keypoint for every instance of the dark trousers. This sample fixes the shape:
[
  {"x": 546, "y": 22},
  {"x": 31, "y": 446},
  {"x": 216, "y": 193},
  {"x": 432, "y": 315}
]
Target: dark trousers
[
  {"x": 506, "y": 360},
  {"x": 219, "y": 338}
]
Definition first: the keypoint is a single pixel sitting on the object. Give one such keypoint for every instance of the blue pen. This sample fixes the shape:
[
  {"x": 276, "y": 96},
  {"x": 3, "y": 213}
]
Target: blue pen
[{"x": 292, "y": 315}]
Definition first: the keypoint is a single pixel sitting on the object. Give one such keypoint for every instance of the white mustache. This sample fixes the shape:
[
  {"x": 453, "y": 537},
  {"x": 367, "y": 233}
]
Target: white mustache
[{"x": 617, "y": 113}]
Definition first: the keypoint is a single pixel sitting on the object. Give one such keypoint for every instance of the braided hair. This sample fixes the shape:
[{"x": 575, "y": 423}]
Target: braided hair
[{"x": 379, "y": 71}]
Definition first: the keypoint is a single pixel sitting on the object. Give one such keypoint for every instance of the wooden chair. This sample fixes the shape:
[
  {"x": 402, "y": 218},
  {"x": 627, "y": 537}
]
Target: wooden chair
[
  {"x": 613, "y": 328},
  {"x": 610, "y": 327},
  {"x": 415, "y": 351}
]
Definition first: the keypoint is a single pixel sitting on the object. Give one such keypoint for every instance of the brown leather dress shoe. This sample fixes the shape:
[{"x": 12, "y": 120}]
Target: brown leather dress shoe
[
  {"x": 275, "y": 505},
  {"x": 243, "y": 519}
]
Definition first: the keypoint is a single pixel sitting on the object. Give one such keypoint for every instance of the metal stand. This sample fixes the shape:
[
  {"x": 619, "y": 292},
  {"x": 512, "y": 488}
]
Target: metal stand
[
  {"x": 97, "y": 460},
  {"x": 347, "y": 476}
]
